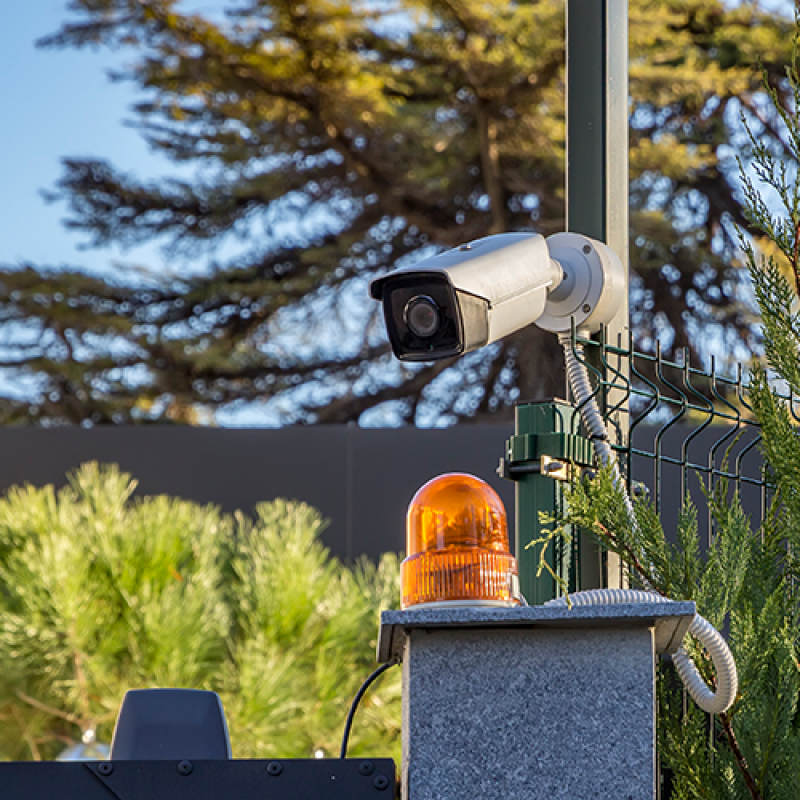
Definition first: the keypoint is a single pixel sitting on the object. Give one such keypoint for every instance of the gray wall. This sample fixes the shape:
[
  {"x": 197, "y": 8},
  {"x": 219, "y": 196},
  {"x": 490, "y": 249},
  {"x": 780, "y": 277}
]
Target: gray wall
[{"x": 361, "y": 480}]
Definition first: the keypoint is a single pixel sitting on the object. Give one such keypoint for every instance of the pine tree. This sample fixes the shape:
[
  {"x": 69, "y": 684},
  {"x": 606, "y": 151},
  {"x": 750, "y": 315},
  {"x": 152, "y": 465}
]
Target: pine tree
[
  {"x": 103, "y": 593},
  {"x": 337, "y": 138},
  {"x": 748, "y": 578}
]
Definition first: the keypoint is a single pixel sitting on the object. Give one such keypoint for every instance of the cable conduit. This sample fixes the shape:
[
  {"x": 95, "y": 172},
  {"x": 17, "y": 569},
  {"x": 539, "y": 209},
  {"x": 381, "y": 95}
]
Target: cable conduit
[{"x": 724, "y": 664}]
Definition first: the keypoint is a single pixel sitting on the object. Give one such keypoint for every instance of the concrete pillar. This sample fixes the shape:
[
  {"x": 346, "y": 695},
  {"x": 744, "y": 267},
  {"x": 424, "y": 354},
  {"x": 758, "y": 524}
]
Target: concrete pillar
[{"x": 534, "y": 703}]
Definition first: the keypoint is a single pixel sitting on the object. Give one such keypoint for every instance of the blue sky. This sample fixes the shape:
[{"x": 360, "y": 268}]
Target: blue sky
[{"x": 57, "y": 103}]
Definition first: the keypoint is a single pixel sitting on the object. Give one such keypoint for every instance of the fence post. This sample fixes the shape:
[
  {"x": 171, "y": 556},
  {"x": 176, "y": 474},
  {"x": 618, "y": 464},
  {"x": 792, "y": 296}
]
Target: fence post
[{"x": 541, "y": 455}]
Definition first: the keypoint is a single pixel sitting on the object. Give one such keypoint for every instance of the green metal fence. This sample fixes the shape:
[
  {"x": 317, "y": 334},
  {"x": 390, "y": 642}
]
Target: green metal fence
[
  {"x": 699, "y": 419},
  {"x": 678, "y": 430}
]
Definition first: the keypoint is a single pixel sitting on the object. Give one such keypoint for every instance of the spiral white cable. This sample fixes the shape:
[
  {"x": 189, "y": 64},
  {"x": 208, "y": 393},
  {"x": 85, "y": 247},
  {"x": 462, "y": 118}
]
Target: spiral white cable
[
  {"x": 701, "y": 629},
  {"x": 583, "y": 393},
  {"x": 727, "y": 678}
]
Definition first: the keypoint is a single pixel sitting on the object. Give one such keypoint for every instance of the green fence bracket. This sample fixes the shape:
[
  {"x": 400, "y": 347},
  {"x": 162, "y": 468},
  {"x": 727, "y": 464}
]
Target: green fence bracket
[{"x": 546, "y": 450}]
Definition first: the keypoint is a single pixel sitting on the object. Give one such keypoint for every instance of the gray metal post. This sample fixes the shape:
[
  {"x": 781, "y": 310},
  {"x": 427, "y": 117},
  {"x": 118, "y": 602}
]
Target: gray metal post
[
  {"x": 597, "y": 176},
  {"x": 597, "y": 123}
]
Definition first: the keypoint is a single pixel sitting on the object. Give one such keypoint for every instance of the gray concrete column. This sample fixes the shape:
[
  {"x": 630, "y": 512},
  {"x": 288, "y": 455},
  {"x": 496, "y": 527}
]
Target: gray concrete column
[{"x": 533, "y": 703}]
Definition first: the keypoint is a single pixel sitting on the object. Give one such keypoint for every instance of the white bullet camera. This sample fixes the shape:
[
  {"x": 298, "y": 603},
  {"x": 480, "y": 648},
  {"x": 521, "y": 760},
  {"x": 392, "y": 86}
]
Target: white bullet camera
[{"x": 477, "y": 293}]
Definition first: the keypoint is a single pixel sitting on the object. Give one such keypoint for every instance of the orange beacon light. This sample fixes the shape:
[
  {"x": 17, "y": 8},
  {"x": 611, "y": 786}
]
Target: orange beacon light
[{"x": 457, "y": 544}]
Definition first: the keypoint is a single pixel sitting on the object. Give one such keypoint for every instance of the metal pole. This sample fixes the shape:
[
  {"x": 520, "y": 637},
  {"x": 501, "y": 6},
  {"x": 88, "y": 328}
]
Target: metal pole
[{"x": 597, "y": 180}]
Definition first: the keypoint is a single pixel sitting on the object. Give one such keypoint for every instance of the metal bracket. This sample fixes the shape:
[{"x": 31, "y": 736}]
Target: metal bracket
[
  {"x": 553, "y": 468},
  {"x": 547, "y": 465}
]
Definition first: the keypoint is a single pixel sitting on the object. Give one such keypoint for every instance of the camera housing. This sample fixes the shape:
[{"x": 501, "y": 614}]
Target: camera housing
[
  {"x": 475, "y": 294},
  {"x": 466, "y": 297}
]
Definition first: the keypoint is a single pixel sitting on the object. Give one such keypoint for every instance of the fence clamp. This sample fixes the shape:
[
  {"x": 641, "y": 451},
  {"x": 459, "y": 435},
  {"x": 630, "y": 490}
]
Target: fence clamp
[
  {"x": 547, "y": 465},
  {"x": 552, "y": 454},
  {"x": 553, "y": 468}
]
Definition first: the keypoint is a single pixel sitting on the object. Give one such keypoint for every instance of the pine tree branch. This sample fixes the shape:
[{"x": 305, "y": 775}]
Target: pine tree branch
[
  {"x": 627, "y": 551},
  {"x": 29, "y": 740},
  {"x": 796, "y": 258},
  {"x": 402, "y": 202},
  {"x": 741, "y": 762},
  {"x": 469, "y": 22},
  {"x": 40, "y": 706},
  {"x": 80, "y": 677},
  {"x": 350, "y": 407},
  {"x": 775, "y": 133}
]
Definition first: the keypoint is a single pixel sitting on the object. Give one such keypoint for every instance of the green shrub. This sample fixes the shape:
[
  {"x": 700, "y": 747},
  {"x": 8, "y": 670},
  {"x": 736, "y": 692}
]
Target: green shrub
[{"x": 102, "y": 592}]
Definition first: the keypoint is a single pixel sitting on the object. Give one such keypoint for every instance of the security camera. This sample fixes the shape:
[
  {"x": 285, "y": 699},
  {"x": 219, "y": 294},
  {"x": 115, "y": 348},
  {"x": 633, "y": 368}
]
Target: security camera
[
  {"x": 467, "y": 297},
  {"x": 475, "y": 294}
]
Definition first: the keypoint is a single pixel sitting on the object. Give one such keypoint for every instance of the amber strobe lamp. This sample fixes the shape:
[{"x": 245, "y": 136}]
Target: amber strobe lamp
[{"x": 457, "y": 544}]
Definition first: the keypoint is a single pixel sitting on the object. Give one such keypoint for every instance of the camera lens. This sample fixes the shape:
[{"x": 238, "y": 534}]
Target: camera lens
[{"x": 422, "y": 316}]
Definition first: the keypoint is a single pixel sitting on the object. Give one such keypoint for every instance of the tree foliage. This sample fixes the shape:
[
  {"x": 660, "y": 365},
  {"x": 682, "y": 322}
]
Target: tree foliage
[
  {"x": 744, "y": 581},
  {"x": 323, "y": 142},
  {"x": 103, "y": 593},
  {"x": 747, "y": 580}
]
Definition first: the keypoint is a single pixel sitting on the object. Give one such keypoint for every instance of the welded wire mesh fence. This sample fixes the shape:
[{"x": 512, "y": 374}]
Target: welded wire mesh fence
[{"x": 679, "y": 429}]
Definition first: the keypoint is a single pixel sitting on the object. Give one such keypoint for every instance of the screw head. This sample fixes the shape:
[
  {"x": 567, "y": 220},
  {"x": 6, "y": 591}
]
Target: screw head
[
  {"x": 274, "y": 768},
  {"x": 366, "y": 768},
  {"x": 105, "y": 768},
  {"x": 381, "y": 782},
  {"x": 587, "y": 249},
  {"x": 185, "y": 767},
  {"x": 586, "y": 308}
]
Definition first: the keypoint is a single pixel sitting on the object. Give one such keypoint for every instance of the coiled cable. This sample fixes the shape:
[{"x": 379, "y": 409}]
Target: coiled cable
[
  {"x": 700, "y": 628},
  {"x": 724, "y": 664}
]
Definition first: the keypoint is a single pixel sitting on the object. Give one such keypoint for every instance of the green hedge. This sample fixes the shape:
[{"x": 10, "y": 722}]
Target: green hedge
[{"x": 102, "y": 592}]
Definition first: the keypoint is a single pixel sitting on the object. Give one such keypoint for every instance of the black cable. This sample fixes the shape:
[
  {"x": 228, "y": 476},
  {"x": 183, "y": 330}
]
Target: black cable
[{"x": 357, "y": 699}]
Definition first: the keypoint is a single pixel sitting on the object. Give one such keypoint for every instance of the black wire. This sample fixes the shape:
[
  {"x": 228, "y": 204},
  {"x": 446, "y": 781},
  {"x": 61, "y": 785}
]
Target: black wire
[{"x": 357, "y": 699}]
